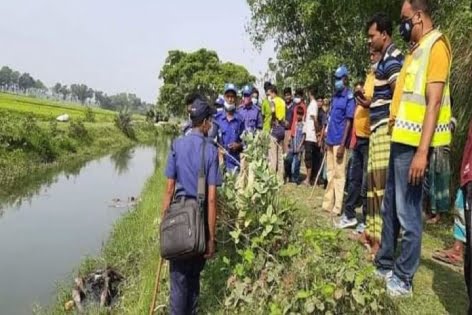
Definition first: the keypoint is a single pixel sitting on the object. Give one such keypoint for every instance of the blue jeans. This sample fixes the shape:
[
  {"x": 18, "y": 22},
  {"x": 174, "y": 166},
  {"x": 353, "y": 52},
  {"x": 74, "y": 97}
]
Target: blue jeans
[
  {"x": 357, "y": 184},
  {"x": 401, "y": 209},
  {"x": 185, "y": 285},
  {"x": 292, "y": 166}
]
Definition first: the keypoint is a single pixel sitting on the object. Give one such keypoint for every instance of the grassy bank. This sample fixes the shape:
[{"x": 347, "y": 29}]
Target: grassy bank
[
  {"x": 32, "y": 141},
  {"x": 131, "y": 249}
]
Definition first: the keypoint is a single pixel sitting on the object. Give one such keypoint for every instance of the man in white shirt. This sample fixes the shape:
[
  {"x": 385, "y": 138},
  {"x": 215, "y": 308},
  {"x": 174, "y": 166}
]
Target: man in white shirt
[{"x": 312, "y": 149}]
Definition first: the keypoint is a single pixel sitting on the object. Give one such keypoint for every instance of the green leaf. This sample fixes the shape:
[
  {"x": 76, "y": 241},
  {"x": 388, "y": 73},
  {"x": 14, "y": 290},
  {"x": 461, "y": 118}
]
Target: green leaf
[
  {"x": 302, "y": 294},
  {"x": 309, "y": 307},
  {"x": 328, "y": 290},
  {"x": 249, "y": 256},
  {"x": 358, "y": 297},
  {"x": 226, "y": 260},
  {"x": 290, "y": 251}
]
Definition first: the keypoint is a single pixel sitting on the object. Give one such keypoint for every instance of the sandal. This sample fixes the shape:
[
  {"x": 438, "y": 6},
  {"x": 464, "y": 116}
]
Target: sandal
[{"x": 449, "y": 257}]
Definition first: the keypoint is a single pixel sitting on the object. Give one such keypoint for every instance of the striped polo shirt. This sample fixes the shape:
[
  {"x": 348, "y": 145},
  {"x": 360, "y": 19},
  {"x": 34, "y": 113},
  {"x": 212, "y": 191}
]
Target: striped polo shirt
[{"x": 387, "y": 72}]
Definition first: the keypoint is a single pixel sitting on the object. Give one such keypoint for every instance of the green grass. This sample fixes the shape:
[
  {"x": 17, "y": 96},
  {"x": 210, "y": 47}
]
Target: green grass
[
  {"x": 50, "y": 109},
  {"x": 438, "y": 289}
]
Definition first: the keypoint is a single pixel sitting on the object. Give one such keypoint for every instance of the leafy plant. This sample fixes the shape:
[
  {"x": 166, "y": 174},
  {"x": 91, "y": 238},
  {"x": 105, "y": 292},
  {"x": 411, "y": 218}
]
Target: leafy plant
[
  {"x": 78, "y": 131},
  {"x": 123, "y": 121},
  {"x": 89, "y": 115}
]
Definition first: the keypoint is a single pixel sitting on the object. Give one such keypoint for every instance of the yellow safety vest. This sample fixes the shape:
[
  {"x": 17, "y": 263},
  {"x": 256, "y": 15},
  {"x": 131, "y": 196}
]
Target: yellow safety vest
[{"x": 411, "y": 112}]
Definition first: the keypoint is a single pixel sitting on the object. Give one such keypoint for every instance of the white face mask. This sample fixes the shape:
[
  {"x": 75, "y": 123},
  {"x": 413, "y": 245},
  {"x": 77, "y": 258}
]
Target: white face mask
[
  {"x": 297, "y": 100},
  {"x": 255, "y": 101},
  {"x": 230, "y": 107}
]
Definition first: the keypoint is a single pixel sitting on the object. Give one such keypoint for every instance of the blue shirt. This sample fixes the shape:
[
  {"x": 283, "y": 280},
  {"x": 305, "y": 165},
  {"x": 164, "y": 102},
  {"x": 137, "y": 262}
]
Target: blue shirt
[
  {"x": 184, "y": 162},
  {"x": 187, "y": 128},
  {"x": 342, "y": 108},
  {"x": 230, "y": 131},
  {"x": 252, "y": 117},
  {"x": 297, "y": 139}
]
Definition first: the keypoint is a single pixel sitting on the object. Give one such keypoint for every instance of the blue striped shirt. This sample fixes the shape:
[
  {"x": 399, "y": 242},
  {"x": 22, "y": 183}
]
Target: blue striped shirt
[{"x": 386, "y": 74}]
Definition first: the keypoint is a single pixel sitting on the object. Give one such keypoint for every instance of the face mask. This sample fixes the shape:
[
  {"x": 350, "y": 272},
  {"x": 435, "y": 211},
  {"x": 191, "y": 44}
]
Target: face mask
[
  {"x": 406, "y": 28},
  {"x": 255, "y": 101},
  {"x": 297, "y": 100},
  {"x": 230, "y": 107},
  {"x": 339, "y": 85}
]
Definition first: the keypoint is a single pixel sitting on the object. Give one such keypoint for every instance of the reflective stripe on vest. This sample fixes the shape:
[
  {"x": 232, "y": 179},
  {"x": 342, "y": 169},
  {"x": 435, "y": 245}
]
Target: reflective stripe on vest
[{"x": 411, "y": 112}]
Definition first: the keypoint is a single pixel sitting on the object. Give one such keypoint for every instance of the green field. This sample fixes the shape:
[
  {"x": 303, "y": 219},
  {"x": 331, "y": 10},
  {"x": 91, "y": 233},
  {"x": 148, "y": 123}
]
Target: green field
[{"x": 49, "y": 109}]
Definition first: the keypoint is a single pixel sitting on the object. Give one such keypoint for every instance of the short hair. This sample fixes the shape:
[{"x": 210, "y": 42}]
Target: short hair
[
  {"x": 192, "y": 98},
  {"x": 361, "y": 83},
  {"x": 255, "y": 90},
  {"x": 300, "y": 110},
  {"x": 272, "y": 88},
  {"x": 267, "y": 85},
  {"x": 422, "y": 5},
  {"x": 313, "y": 90},
  {"x": 320, "y": 96},
  {"x": 288, "y": 90},
  {"x": 383, "y": 23},
  {"x": 299, "y": 92}
]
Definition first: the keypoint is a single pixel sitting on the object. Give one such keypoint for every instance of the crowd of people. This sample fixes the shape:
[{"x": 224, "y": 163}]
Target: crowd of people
[{"x": 382, "y": 145}]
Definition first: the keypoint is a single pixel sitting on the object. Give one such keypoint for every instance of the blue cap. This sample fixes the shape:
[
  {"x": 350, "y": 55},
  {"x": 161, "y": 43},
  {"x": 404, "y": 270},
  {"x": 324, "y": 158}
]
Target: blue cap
[
  {"x": 220, "y": 101},
  {"x": 200, "y": 110},
  {"x": 230, "y": 87},
  {"x": 247, "y": 90},
  {"x": 341, "y": 72}
]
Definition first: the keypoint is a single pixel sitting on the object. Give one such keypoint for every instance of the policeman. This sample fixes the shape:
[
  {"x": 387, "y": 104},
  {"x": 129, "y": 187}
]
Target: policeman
[
  {"x": 231, "y": 127},
  {"x": 250, "y": 114},
  {"x": 187, "y": 127},
  {"x": 342, "y": 113},
  {"x": 183, "y": 166}
]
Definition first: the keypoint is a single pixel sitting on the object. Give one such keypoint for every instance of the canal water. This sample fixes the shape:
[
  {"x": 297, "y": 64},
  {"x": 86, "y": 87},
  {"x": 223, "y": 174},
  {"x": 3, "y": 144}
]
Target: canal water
[{"x": 44, "y": 236}]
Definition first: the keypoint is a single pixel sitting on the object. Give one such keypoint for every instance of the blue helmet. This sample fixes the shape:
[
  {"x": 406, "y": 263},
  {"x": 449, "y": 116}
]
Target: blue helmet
[
  {"x": 247, "y": 90},
  {"x": 231, "y": 87},
  {"x": 341, "y": 72}
]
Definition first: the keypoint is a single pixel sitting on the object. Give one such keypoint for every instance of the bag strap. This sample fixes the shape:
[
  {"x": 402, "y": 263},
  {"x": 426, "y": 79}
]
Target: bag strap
[{"x": 201, "y": 187}]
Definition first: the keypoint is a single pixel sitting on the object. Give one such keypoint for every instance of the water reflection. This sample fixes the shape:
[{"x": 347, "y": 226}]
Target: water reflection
[{"x": 121, "y": 159}]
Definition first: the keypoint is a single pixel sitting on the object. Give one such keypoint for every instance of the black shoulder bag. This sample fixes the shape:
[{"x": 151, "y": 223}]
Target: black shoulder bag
[{"x": 182, "y": 230}]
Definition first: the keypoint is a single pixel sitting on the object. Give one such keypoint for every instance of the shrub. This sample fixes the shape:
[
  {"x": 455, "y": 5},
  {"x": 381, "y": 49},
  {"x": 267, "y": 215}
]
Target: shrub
[
  {"x": 78, "y": 131},
  {"x": 89, "y": 115},
  {"x": 123, "y": 121}
]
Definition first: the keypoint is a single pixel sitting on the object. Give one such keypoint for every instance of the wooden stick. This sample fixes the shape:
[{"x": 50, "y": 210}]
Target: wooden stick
[
  {"x": 318, "y": 175},
  {"x": 157, "y": 287}
]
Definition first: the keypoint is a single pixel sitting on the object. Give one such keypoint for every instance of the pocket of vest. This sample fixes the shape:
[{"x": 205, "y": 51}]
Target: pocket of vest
[{"x": 410, "y": 77}]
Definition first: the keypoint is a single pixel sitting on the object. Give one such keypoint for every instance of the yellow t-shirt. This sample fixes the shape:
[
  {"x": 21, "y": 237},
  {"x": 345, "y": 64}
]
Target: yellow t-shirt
[
  {"x": 279, "y": 108},
  {"x": 361, "y": 116},
  {"x": 438, "y": 71}
]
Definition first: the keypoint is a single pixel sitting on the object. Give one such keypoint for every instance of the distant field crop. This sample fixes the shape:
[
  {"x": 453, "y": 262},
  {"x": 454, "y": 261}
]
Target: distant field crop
[{"x": 49, "y": 109}]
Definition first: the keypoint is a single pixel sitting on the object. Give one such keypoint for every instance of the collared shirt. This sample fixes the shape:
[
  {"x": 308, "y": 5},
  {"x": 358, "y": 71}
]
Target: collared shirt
[
  {"x": 342, "y": 108},
  {"x": 230, "y": 131},
  {"x": 466, "y": 169},
  {"x": 184, "y": 162},
  {"x": 187, "y": 128},
  {"x": 361, "y": 116},
  {"x": 297, "y": 140},
  {"x": 251, "y": 116},
  {"x": 387, "y": 72}
]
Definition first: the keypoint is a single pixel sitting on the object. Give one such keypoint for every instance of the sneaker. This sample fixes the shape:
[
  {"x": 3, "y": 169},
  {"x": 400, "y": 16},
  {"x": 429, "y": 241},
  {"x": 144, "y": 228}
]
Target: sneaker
[
  {"x": 346, "y": 223},
  {"x": 383, "y": 274},
  {"x": 360, "y": 228},
  {"x": 398, "y": 288}
]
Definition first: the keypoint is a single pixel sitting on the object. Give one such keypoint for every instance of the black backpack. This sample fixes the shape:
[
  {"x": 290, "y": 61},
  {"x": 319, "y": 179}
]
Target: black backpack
[{"x": 182, "y": 230}]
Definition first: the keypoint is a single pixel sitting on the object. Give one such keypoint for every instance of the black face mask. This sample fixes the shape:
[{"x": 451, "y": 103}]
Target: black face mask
[{"x": 406, "y": 28}]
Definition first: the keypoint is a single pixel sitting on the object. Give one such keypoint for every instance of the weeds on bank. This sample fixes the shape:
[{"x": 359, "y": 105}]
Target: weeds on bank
[{"x": 274, "y": 266}]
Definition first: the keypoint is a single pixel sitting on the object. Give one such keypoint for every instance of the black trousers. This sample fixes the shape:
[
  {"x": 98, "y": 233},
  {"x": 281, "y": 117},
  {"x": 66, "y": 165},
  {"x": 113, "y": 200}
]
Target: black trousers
[{"x": 468, "y": 246}]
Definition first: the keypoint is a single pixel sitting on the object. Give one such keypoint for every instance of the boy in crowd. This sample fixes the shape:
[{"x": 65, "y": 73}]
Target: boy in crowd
[{"x": 293, "y": 159}]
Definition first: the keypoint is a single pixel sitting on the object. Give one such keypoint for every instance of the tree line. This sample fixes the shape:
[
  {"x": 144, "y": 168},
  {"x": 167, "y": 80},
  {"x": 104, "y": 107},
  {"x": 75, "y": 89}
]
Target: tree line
[{"x": 14, "y": 81}]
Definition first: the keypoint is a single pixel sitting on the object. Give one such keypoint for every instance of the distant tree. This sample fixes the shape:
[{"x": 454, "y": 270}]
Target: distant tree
[
  {"x": 103, "y": 100},
  {"x": 38, "y": 84},
  {"x": 81, "y": 91},
  {"x": 26, "y": 81},
  {"x": 57, "y": 88},
  {"x": 15, "y": 79},
  {"x": 6, "y": 76},
  {"x": 200, "y": 71},
  {"x": 65, "y": 91}
]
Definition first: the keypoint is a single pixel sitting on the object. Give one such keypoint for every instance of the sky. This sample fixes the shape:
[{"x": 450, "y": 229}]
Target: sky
[{"x": 121, "y": 45}]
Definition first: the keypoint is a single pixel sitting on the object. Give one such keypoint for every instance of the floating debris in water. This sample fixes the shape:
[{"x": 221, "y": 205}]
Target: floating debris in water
[{"x": 99, "y": 287}]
